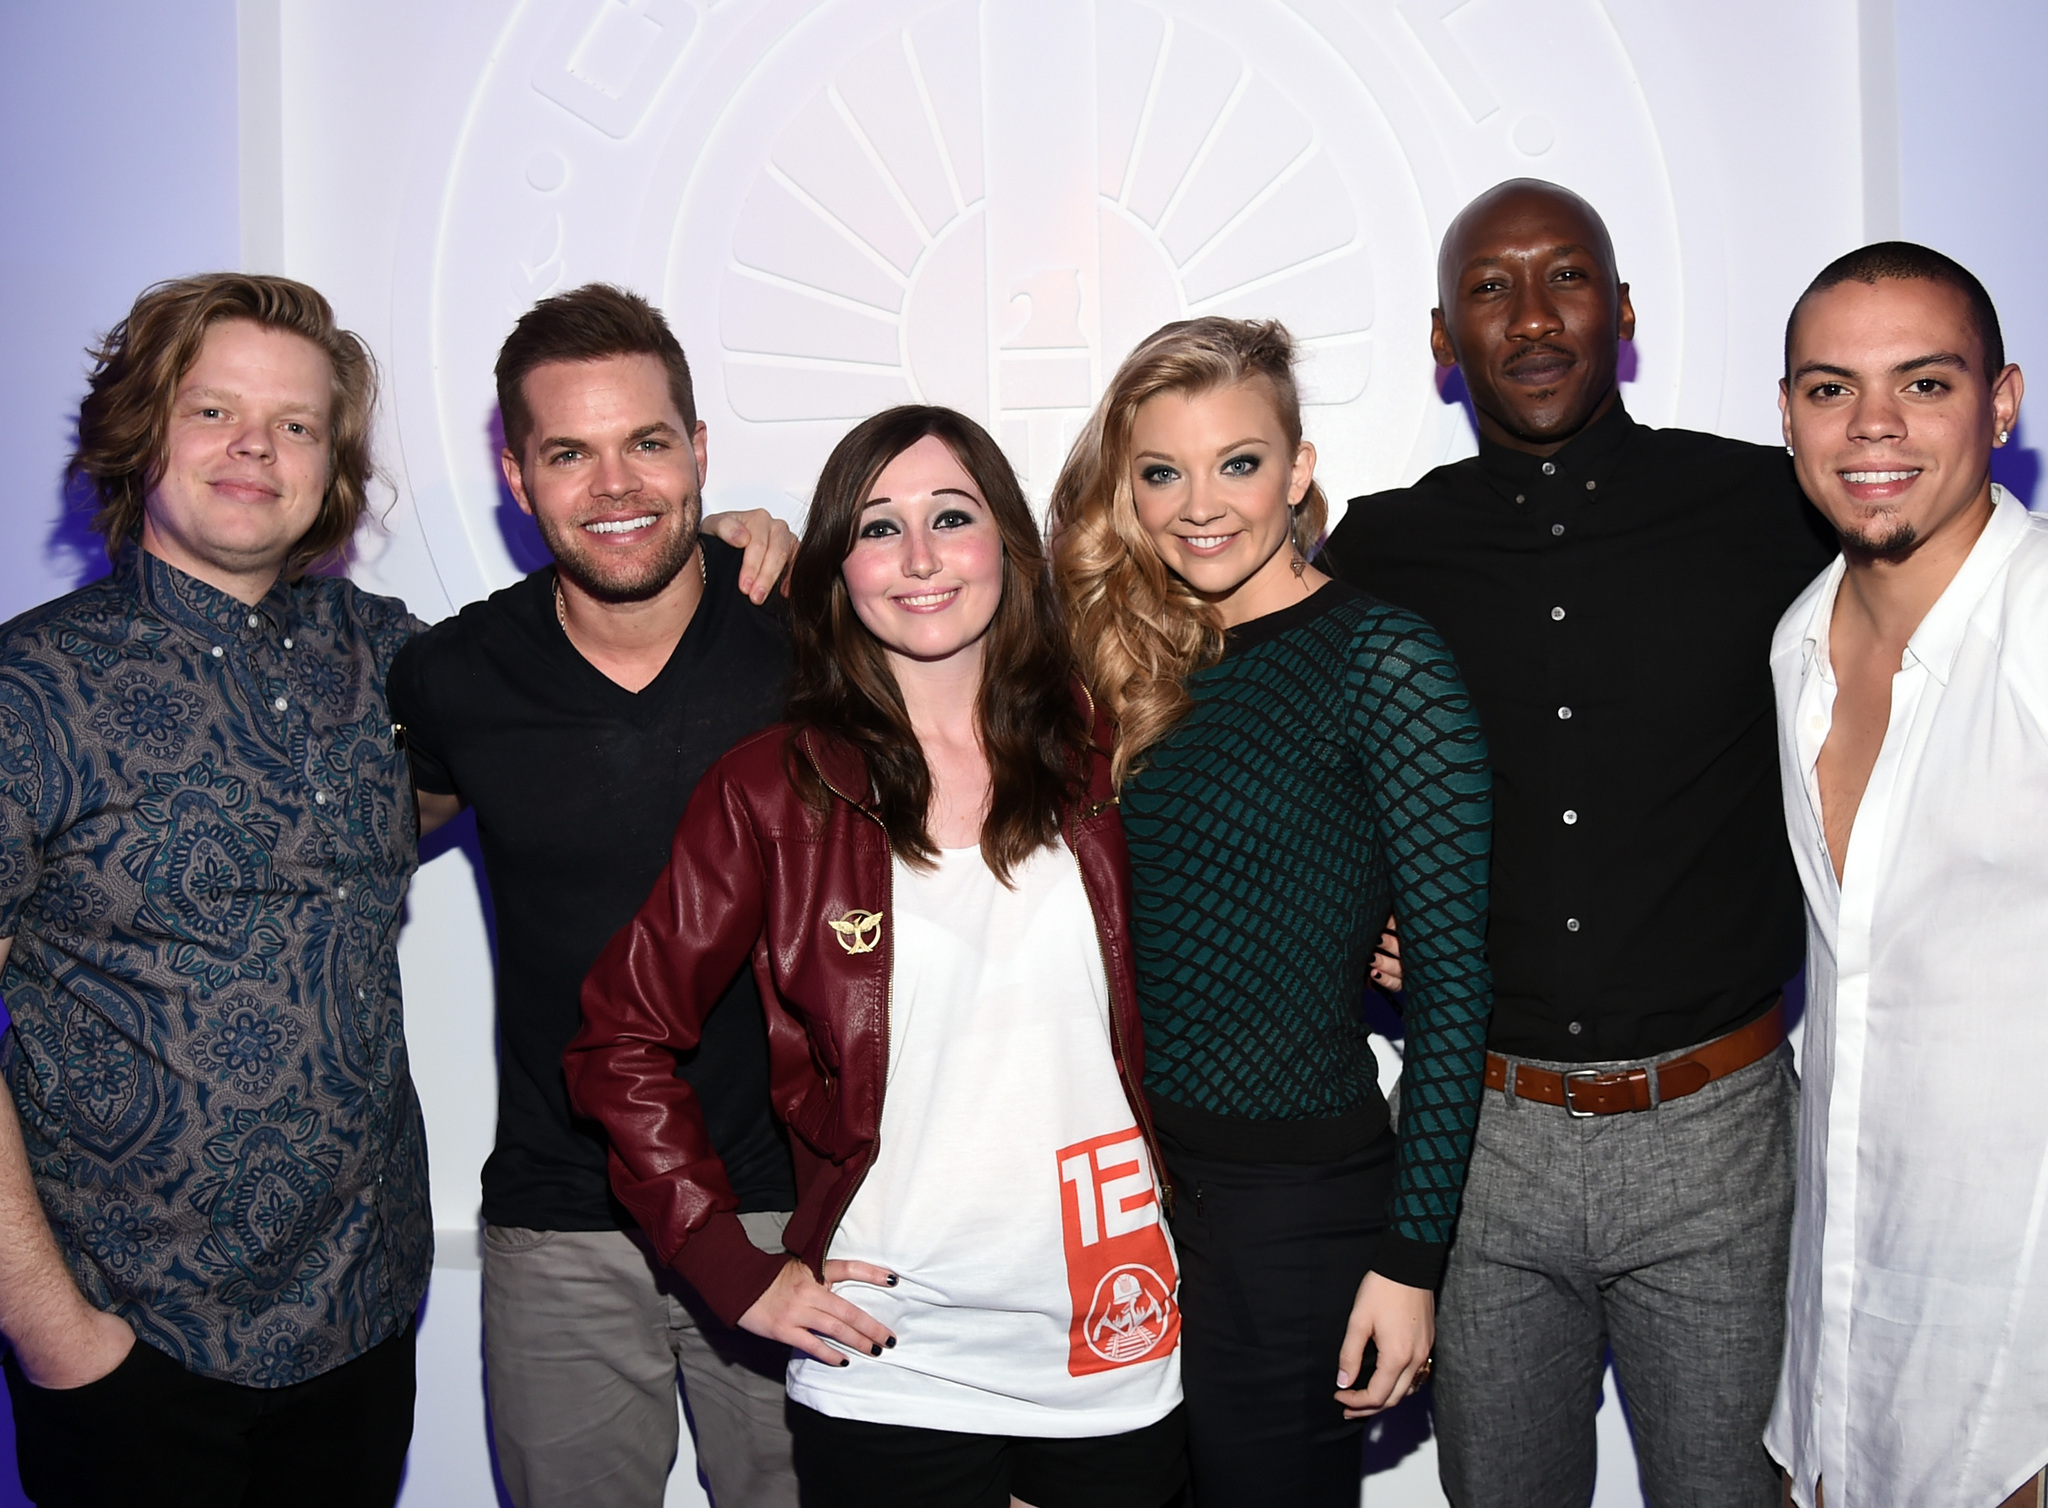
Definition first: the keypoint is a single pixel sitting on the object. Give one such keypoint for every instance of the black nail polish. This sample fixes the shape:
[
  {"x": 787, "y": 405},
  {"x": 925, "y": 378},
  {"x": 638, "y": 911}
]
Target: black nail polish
[
  {"x": 874, "y": 1350},
  {"x": 890, "y": 1343},
  {"x": 892, "y": 1280},
  {"x": 844, "y": 1361}
]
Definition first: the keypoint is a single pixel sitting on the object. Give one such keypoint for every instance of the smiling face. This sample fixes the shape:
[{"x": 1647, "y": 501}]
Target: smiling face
[
  {"x": 246, "y": 458},
  {"x": 1215, "y": 478},
  {"x": 1890, "y": 415},
  {"x": 925, "y": 573},
  {"x": 611, "y": 473},
  {"x": 1531, "y": 313}
]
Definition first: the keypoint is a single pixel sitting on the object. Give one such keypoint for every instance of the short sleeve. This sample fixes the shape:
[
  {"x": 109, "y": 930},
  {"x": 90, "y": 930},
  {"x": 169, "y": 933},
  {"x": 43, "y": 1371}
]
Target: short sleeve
[{"x": 412, "y": 709}]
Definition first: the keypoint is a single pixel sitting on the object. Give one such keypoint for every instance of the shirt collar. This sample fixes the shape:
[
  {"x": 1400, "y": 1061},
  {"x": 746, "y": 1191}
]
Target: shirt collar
[
  {"x": 1588, "y": 455},
  {"x": 1939, "y": 638},
  {"x": 196, "y": 606}
]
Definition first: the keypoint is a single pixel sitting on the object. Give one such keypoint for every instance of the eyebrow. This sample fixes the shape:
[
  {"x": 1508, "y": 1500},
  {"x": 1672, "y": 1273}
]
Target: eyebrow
[
  {"x": 1160, "y": 455},
  {"x": 659, "y": 427},
  {"x": 222, "y": 395},
  {"x": 1947, "y": 359},
  {"x": 875, "y": 502},
  {"x": 1562, "y": 249}
]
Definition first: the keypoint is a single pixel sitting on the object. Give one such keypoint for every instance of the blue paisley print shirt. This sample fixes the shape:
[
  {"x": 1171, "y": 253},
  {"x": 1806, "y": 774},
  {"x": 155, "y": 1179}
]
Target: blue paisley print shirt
[{"x": 205, "y": 838}]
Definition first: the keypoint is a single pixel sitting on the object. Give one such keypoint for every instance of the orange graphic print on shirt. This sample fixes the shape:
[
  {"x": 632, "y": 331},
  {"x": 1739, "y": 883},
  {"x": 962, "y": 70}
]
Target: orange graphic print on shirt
[{"x": 1120, "y": 1272}]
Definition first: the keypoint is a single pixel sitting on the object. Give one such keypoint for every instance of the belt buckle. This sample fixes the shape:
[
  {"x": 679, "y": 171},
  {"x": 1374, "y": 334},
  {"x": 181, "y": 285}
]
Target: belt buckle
[{"x": 1569, "y": 1108}]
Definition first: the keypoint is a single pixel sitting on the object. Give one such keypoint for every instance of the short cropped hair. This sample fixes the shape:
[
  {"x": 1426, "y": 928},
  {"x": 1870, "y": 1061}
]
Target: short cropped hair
[
  {"x": 126, "y": 415},
  {"x": 1909, "y": 261},
  {"x": 586, "y": 324}
]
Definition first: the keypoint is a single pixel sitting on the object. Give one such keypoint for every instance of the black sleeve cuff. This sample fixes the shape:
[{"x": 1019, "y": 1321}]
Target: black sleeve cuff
[{"x": 1419, "y": 1264}]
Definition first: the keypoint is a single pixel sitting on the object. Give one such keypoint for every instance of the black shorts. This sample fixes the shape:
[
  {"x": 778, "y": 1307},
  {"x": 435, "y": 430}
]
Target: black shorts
[{"x": 850, "y": 1463}]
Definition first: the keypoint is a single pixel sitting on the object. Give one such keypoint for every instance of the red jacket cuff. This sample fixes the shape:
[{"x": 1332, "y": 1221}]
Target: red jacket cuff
[{"x": 726, "y": 1267}]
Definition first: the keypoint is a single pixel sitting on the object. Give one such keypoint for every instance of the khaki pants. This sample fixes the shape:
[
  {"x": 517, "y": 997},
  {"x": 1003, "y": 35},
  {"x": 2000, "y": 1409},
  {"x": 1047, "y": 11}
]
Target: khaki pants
[{"x": 584, "y": 1332}]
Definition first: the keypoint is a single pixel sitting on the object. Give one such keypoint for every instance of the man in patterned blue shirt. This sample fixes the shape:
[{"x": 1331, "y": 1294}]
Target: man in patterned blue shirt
[
  {"x": 214, "y": 1228},
  {"x": 214, "y": 1231}
]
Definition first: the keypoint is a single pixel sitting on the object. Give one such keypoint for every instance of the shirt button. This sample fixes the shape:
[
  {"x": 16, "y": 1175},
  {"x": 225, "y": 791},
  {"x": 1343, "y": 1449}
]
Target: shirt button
[
  {"x": 218, "y": 652},
  {"x": 341, "y": 892},
  {"x": 320, "y": 798},
  {"x": 1570, "y": 818},
  {"x": 279, "y": 704},
  {"x": 254, "y": 620},
  {"x": 1550, "y": 468},
  {"x": 1592, "y": 486},
  {"x": 1574, "y": 1028},
  {"x": 1520, "y": 498},
  {"x": 1557, "y": 528},
  {"x": 1571, "y": 924},
  {"x": 1565, "y": 713},
  {"x": 287, "y": 643},
  {"x": 1557, "y": 615}
]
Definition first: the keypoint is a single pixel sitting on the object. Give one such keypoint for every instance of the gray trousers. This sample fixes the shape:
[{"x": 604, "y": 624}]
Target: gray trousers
[
  {"x": 1664, "y": 1234},
  {"x": 584, "y": 1332}
]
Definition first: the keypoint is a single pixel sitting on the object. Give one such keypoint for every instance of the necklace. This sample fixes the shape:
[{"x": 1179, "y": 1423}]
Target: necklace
[{"x": 562, "y": 614}]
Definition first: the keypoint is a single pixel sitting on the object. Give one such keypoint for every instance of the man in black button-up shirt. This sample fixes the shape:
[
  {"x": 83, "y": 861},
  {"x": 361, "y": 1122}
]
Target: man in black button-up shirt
[{"x": 1610, "y": 592}]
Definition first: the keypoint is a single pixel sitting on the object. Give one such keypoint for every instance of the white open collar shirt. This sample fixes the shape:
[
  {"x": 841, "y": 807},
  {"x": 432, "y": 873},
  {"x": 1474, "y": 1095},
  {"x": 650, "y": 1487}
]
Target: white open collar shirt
[{"x": 1916, "y": 1357}]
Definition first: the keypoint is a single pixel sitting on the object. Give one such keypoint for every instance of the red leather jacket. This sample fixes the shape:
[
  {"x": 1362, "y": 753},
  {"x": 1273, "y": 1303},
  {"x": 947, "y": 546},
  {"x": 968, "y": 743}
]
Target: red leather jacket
[{"x": 755, "y": 870}]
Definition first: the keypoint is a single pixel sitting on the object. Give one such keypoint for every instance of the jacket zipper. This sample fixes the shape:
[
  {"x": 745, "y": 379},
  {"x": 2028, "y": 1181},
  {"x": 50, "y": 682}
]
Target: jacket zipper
[{"x": 1136, "y": 1093}]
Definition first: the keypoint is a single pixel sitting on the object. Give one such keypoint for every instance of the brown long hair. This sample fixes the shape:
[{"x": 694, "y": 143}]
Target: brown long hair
[
  {"x": 1139, "y": 630},
  {"x": 126, "y": 414},
  {"x": 1032, "y": 730}
]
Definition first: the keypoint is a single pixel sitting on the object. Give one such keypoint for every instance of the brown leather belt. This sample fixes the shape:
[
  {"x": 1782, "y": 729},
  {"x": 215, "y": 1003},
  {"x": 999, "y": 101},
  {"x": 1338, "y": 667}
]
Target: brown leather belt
[{"x": 1587, "y": 1091}]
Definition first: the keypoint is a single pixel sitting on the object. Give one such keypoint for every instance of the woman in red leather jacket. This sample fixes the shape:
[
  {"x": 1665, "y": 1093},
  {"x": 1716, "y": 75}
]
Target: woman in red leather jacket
[{"x": 927, "y": 870}]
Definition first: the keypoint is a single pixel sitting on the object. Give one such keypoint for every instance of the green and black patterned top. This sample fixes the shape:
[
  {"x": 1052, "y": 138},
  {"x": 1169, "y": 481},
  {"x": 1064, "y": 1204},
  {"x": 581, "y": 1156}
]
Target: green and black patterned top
[{"x": 1332, "y": 771}]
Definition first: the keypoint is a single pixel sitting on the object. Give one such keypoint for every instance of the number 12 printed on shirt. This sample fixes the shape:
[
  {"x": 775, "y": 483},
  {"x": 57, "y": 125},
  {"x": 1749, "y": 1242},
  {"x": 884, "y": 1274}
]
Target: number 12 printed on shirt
[{"x": 1120, "y": 1269}]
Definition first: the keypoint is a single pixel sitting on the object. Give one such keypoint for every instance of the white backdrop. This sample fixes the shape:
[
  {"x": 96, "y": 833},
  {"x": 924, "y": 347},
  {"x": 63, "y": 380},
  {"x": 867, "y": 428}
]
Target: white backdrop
[
  {"x": 846, "y": 203},
  {"x": 986, "y": 203}
]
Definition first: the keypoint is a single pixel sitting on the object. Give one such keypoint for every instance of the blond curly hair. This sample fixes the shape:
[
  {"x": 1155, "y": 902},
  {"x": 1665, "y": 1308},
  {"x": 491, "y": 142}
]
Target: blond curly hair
[{"x": 1139, "y": 631}]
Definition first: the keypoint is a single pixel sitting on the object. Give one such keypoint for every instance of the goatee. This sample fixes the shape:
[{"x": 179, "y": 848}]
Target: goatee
[{"x": 1893, "y": 541}]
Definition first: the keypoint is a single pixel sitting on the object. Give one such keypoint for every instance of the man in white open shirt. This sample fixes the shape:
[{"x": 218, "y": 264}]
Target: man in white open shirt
[{"x": 1912, "y": 685}]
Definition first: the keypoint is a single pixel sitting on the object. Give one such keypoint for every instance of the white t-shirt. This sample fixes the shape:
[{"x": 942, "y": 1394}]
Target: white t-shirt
[{"x": 1012, "y": 1193}]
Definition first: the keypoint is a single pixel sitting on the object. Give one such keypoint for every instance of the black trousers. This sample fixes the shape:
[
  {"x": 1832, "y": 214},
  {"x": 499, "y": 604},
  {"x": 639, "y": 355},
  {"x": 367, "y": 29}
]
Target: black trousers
[
  {"x": 849, "y": 1463},
  {"x": 1271, "y": 1256},
  {"x": 152, "y": 1432}
]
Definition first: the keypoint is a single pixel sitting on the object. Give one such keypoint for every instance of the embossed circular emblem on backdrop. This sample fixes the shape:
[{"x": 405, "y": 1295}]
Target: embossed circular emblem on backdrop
[{"x": 844, "y": 204}]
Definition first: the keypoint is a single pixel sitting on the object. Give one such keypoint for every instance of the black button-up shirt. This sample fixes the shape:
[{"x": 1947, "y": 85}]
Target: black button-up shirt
[
  {"x": 206, "y": 832},
  {"x": 1612, "y": 607}
]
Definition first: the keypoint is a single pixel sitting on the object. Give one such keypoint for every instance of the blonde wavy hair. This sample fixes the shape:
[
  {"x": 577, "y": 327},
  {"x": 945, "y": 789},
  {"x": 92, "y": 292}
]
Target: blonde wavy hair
[{"x": 1139, "y": 631}]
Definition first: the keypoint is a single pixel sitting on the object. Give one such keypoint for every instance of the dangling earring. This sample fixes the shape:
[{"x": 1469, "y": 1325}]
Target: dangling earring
[
  {"x": 1300, "y": 562},
  {"x": 1788, "y": 450}
]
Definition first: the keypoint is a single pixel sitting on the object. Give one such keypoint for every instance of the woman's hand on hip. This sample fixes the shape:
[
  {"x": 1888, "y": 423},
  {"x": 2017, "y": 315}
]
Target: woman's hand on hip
[
  {"x": 1401, "y": 1322},
  {"x": 805, "y": 1314}
]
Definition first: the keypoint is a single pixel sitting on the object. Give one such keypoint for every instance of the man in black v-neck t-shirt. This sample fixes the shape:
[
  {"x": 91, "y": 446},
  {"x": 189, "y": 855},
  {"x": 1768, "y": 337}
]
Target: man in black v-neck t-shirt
[
  {"x": 577, "y": 785},
  {"x": 575, "y": 712},
  {"x": 1610, "y": 592}
]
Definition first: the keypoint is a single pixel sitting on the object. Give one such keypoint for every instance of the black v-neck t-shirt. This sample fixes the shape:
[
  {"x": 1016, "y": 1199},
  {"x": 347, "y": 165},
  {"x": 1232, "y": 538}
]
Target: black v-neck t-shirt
[
  {"x": 578, "y": 785},
  {"x": 1612, "y": 608}
]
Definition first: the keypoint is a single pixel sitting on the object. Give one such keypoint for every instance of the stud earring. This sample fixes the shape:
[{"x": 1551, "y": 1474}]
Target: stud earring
[{"x": 2003, "y": 435}]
